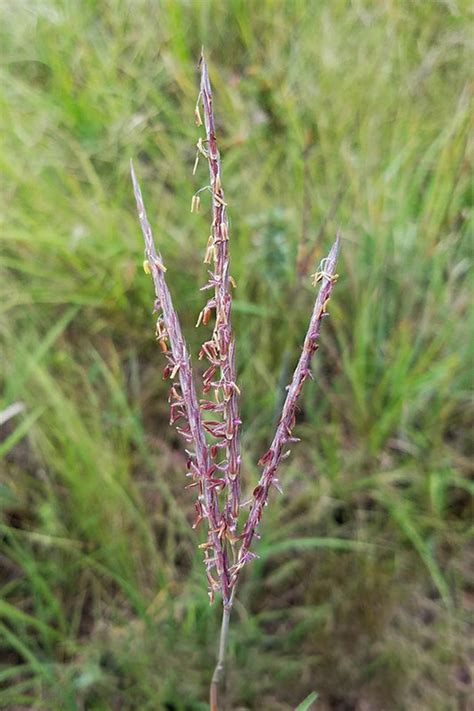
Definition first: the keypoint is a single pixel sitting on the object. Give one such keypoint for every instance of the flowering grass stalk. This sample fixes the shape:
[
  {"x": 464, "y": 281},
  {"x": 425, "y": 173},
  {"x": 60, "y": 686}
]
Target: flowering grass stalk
[
  {"x": 184, "y": 405},
  {"x": 215, "y": 468},
  {"x": 220, "y": 349},
  {"x": 284, "y": 432}
]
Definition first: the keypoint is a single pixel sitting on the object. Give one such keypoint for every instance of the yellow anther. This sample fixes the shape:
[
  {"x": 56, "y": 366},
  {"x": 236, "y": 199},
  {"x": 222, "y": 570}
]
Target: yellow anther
[
  {"x": 174, "y": 371},
  {"x": 197, "y": 116},
  {"x": 319, "y": 276},
  {"x": 195, "y": 203},
  {"x": 159, "y": 264},
  {"x": 218, "y": 199}
]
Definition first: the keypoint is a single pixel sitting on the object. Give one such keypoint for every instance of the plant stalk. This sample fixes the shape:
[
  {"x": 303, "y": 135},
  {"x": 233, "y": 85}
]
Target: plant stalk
[
  {"x": 208, "y": 507},
  {"x": 273, "y": 457},
  {"x": 226, "y": 389},
  {"x": 219, "y": 671}
]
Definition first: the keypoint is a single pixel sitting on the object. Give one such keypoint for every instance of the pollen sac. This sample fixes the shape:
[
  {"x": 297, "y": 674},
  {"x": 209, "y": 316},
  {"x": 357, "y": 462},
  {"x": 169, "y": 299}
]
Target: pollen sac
[
  {"x": 197, "y": 116},
  {"x": 224, "y": 231},
  {"x": 195, "y": 203}
]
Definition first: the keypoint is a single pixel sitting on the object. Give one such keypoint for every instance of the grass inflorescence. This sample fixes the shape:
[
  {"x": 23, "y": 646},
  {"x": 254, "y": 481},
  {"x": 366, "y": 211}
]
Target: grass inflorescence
[{"x": 329, "y": 113}]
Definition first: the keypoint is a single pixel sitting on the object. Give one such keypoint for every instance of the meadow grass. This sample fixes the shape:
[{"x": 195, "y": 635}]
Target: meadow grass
[{"x": 351, "y": 114}]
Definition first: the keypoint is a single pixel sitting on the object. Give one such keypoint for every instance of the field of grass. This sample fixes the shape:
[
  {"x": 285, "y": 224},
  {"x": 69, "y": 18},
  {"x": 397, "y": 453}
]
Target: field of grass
[{"x": 331, "y": 113}]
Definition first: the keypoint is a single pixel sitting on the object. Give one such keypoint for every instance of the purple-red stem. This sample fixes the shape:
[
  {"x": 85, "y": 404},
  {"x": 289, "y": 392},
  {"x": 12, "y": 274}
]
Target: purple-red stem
[
  {"x": 221, "y": 349},
  {"x": 202, "y": 469},
  {"x": 283, "y": 435}
]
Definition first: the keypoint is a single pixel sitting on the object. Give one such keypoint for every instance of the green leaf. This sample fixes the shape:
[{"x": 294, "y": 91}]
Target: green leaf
[
  {"x": 22, "y": 429},
  {"x": 401, "y": 515},
  {"x": 306, "y": 704},
  {"x": 341, "y": 544}
]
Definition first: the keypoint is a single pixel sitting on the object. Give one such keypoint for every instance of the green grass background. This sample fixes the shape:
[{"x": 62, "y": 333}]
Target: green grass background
[{"x": 330, "y": 113}]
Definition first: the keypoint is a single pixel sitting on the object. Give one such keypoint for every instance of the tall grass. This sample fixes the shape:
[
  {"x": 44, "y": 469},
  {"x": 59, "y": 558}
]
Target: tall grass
[{"x": 352, "y": 113}]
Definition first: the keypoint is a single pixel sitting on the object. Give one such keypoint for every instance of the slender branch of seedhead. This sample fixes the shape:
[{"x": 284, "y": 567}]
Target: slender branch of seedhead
[
  {"x": 271, "y": 460},
  {"x": 184, "y": 405},
  {"x": 220, "y": 349},
  {"x": 283, "y": 435}
]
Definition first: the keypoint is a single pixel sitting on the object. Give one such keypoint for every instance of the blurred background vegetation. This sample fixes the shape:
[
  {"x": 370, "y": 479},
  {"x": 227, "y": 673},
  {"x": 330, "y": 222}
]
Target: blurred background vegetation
[{"x": 330, "y": 113}]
